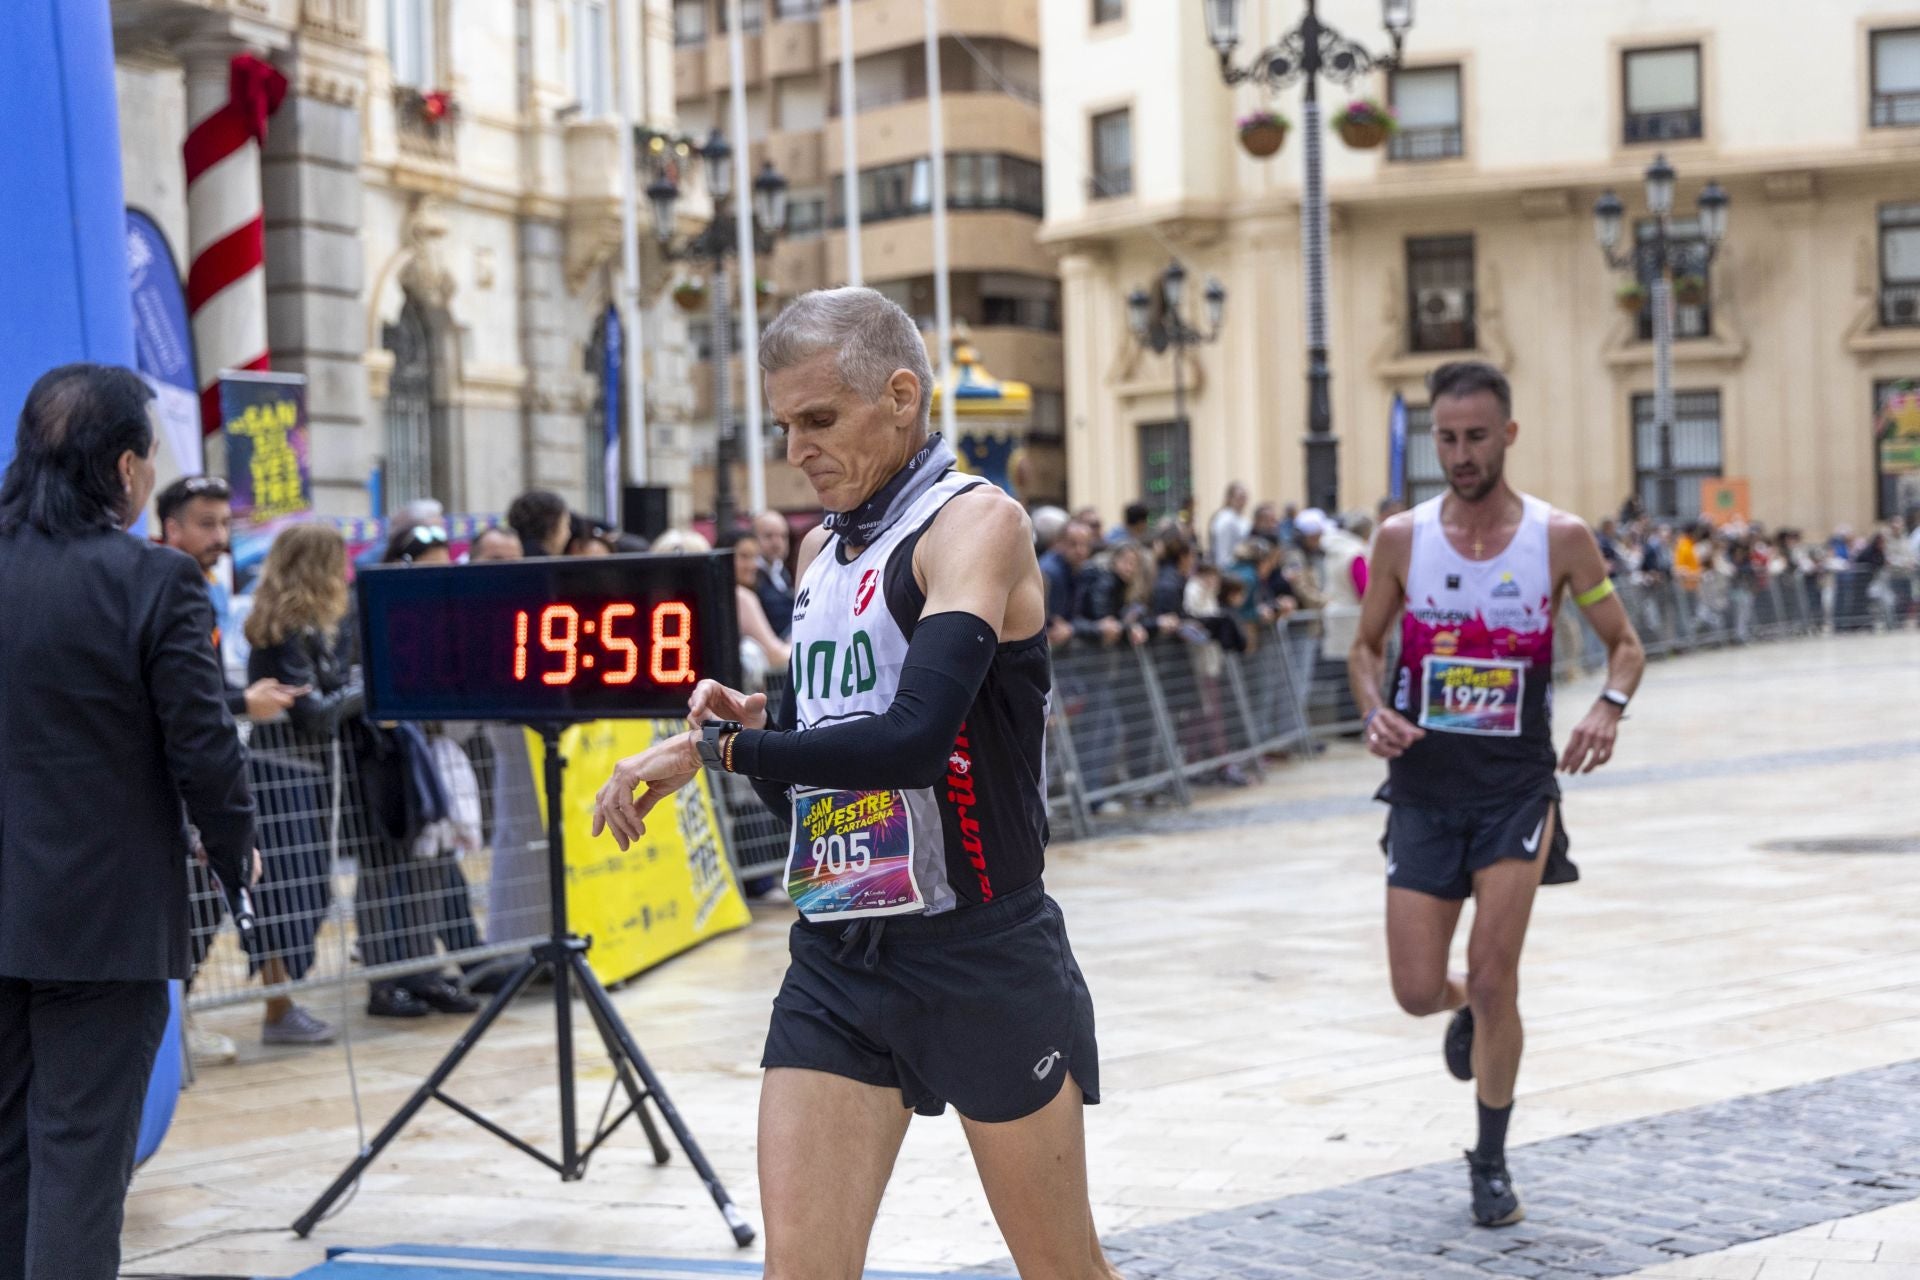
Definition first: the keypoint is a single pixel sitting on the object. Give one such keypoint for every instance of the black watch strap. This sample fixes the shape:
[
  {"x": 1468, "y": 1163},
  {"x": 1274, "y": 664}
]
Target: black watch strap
[{"x": 711, "y": 734}]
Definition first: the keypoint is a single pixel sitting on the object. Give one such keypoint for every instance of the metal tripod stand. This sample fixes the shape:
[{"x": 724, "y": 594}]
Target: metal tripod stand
[{"x": 565, "y": 953}]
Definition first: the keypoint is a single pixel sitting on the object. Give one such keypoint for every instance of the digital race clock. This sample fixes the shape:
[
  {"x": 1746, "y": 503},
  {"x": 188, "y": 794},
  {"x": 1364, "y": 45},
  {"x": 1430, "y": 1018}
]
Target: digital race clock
[{"x": 537, "y": 641}]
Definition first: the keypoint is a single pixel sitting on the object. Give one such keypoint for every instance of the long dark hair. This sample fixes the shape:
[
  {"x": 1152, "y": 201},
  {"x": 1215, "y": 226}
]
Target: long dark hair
[{"x": 65, "y": 476}]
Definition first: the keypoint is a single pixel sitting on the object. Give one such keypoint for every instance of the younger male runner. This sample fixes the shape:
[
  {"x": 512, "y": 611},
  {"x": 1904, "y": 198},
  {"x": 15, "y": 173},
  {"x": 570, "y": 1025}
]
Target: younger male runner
[{"x": 1477, "y": 574}]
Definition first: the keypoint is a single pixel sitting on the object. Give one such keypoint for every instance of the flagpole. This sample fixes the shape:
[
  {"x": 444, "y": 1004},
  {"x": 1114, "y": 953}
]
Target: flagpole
[
  {"x": 849, "y": 147},
  {"x": 749, "y": 276},
  {"x": 942, "y": 293},
  {"x": 633, "y": 348}
]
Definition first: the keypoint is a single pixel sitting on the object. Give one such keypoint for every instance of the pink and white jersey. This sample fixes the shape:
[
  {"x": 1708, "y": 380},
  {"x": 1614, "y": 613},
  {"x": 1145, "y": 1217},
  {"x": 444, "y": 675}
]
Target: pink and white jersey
[{"x": 1476, "y": 668}]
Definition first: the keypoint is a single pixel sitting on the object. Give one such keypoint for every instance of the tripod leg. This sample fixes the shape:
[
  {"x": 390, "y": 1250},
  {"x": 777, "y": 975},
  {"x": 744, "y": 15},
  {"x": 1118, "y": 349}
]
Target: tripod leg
[
  {"x": 635, "y": 1094},
  {"x": 371, "y": 1152},
  {"x": 596, "y": 995}
]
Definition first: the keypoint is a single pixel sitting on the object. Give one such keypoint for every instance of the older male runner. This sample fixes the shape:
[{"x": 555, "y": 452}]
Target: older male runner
[
  {"x": 1479, "y": 572},
  {"x": 929, "y": 965}
]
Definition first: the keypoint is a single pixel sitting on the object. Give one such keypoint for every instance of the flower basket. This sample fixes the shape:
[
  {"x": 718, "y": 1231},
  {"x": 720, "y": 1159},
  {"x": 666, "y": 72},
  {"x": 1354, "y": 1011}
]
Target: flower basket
[
  {"x": 1262, "y": 133},
  {"x": 1365, "y": 124},
  {"x": 690, "y": 295},
  {"x": 1689, "y": 291},
  {"x": 1630, "y": 297}
]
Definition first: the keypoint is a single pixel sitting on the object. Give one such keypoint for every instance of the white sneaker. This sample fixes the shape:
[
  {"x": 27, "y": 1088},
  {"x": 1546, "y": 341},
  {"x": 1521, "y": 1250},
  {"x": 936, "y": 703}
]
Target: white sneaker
[{"x": 209, "y": 1048}]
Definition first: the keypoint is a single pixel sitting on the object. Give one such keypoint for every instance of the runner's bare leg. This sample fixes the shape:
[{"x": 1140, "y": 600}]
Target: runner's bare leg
[
  {"x": 827, "y": 1147},
  {"x": 1034, "y": 1170}
]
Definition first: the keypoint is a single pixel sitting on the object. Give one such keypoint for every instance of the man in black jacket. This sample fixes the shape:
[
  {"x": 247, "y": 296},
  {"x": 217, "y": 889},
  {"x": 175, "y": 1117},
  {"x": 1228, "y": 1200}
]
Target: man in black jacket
[{"x": 112, "y": 712}]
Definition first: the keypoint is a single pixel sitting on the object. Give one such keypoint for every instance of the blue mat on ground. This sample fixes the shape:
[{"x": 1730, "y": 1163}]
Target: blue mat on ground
[{"x": 440, "y": 1262}]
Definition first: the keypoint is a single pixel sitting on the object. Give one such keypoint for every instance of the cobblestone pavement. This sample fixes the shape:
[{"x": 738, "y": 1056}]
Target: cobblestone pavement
[{"x": 1603, "y": 1202}]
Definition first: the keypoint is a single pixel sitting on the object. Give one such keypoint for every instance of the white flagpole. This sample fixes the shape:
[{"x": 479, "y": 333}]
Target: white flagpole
[
  {"x": 749, "y": 279},
  {"x": 942, "y": 294},
  {"x": 628, "y": 38},
  {"x": 849, "y": 146}
]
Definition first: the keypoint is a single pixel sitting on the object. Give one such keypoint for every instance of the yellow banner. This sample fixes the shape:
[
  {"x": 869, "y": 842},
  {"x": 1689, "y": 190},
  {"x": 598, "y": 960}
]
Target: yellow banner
[{"x": 666, "y": 894}]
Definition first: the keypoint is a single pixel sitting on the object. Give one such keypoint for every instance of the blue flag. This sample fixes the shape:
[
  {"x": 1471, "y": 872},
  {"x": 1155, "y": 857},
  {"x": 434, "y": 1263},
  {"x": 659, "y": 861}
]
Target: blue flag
[
  {"x": 1397, "y": 449},
  {"x": 613, "y": 356}
]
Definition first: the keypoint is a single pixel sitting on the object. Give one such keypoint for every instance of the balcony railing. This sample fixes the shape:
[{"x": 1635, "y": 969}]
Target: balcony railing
[
  {"x": 1109, "y": 183},
  {"x": 1437, "y": 142},
  {"x": 1896, "y": 109},
  {"x": 1663, "y": 126},
  {"x": 1899, "y": 305}
]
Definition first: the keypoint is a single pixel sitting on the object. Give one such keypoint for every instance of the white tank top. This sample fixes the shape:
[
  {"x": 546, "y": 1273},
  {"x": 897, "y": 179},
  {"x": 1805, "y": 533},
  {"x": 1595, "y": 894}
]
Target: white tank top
[{"x": 1476, "y": 666}]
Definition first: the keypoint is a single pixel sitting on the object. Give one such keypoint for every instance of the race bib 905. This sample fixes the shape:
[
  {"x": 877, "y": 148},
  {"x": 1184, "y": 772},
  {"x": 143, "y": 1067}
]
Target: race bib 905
[
  {"x": 852, "y": 855},
  {"x": 1472, "y": 695}
]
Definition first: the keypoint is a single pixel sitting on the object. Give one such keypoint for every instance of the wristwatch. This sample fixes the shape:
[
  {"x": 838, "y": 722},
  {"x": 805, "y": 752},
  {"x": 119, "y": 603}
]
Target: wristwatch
[
  {"x": 712, "y": 735},
  {"x": 1616, "y": 697}
]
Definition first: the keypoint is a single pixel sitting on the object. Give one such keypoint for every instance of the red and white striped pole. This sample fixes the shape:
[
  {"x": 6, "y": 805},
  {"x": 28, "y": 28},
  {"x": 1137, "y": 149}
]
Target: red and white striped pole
[{"x": 226, "y": 230}]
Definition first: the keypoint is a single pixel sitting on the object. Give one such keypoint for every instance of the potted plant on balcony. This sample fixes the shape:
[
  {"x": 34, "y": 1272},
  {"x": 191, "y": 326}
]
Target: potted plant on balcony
[
  {"x": 690, "y": 295},
  {"x": 1365, "y": 124},
  {"x": 1630, "y": 296},
  {"x": 1689, "y": 290},
  {"x": 1262, "y": 132}
]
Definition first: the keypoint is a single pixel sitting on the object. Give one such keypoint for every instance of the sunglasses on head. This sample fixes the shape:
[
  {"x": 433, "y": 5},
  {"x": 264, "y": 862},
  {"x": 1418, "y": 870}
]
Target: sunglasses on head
[
  {"x": 421, "y": 539},
  {"x": 205, "y": 487}
]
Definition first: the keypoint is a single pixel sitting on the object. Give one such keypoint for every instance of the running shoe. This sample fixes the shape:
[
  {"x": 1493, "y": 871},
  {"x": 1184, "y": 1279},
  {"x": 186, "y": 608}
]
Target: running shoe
[
  {"x": 296, "y": 1026},
  {"x": 210, "y": 1047},
  {"x": 1495, "y": 1202},
  {"x": 1458, "y": 1045}
]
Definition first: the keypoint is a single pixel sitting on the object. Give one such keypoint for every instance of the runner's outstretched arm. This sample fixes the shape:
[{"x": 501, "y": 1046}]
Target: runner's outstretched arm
[
  {"x": 1388, "y": 732},
  {"x": 1590, "y": 745}
]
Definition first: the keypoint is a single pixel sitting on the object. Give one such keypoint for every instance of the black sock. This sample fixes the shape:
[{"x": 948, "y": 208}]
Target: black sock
[{"x": 1493, "y": 1133}]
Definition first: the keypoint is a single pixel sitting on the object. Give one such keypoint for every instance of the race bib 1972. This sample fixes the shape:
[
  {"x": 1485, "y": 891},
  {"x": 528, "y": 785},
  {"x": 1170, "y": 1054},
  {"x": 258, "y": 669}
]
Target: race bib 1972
[
  {"x": 1472, "y": 695},
  {"x": 852, "y": 855}
]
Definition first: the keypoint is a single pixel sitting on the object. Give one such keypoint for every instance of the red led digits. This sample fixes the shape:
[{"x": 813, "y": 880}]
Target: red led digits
[
  {"x": 618, "y": 644},
  {"x": 567, "y": 644},
  {"x": 561, "y": 628},
  {"x": 672, "y": 653}
]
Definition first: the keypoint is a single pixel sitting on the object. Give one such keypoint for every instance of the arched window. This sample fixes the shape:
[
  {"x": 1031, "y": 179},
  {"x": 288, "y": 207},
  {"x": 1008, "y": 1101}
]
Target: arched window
[{"x": 410, "y": 409}]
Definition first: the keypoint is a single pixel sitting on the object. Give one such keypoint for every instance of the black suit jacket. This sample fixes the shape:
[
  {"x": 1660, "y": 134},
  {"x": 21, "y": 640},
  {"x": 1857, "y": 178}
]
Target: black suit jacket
[{"x": 112, "y": 712}]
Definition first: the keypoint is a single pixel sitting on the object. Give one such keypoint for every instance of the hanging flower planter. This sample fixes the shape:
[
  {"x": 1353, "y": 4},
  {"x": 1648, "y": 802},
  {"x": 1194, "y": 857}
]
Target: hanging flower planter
[
  {"x": 690, "y": 295},
  {"x": 1365, "y": 124},
  {"x": 1630, "y": 297},
  {"x": 1262, "y": 133},
  {"x": 1689, "y": 290},
  {"x": 764, "y": 289}
]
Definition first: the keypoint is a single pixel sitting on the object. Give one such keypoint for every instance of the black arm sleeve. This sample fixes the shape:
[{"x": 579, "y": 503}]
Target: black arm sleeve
[
  {"x": 236, "y": 702},
  {"x": 905, "y": 746},
  {"x": 203, "y": 751}
]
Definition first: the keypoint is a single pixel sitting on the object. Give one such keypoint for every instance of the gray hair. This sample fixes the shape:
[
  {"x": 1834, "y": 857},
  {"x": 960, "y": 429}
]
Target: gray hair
[{"x": 873, "y": 336}]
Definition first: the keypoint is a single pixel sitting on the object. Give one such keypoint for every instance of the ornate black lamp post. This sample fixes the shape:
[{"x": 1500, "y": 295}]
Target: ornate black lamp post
[
  {"x": 1657, "y": 258},
  {"x": 1311, "y": 50},
  {"x": 1156, "y": 321},
  {"x": 714, "y": 245}
]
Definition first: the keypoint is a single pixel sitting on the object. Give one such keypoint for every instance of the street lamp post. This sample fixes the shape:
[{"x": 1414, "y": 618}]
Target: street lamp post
[
  {"x": 1156, "y": 321},
  {"x": 1659, "y": 256},
  {"x": 715, "y": 245},
  {"x": 1311, "y": 50}
]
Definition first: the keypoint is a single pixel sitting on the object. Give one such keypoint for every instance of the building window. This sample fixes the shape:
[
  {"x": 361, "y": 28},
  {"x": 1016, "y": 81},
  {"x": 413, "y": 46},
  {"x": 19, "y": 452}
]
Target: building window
[
  {"x": 1896, "y": 78},
  {"x": 411, "y": 43},
  {"x": 1112, "y": 154},
  {"x": 974, "y": 181},
  {"x": 1667, "y": 471},
  {"x": 753, "y": 15},
  {"x": 1049, "y": 421},
  {"x": 1166, "y": 468},
  {"x": 689, "y": 21},
  {"x": 1108, "y": 11},
  {"x": 795, "y": 8},
  {"x": 1427, "y": 100},
  {"x": 1440, "y": 294},
  {"x": 590, "y": 38},
  {"x": 412, "y": 416},
  {"x": 1689, "y": 253},
  {"x": 806, "y": 217},
  {"x": 1662, "y": 93},
  {"x": 1900, "y": 265},
  {"x": 1424, "y": 477},
  {"x": 700, "y": 336}
]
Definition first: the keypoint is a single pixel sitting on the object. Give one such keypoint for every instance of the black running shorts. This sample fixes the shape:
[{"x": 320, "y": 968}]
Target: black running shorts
[
  {"x": 983, "y": 1007},
  {"x": 1437, "y": 851}
]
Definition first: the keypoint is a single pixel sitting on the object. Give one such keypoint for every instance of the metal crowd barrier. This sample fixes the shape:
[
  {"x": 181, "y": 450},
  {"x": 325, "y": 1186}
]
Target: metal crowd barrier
[{"x": 342, "y": 900}]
